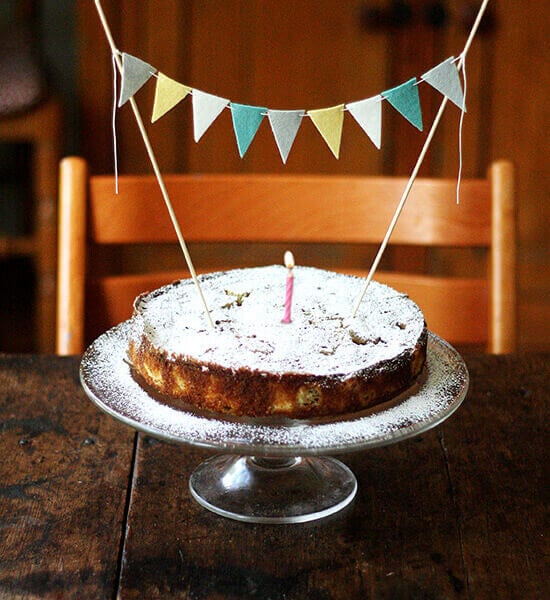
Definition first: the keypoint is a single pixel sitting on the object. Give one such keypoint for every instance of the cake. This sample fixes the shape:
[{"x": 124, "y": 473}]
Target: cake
[{"x": 324, "y": 362}]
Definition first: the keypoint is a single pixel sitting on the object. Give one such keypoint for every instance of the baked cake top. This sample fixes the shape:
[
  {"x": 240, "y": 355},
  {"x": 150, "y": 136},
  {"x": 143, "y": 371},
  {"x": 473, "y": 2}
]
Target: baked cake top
[{"x": 247, "y": 306}]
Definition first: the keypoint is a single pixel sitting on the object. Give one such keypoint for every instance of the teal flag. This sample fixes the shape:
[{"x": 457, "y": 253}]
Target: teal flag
[
  {"x": 404, "y": 98},
  {"x": 135, "y": 73},
  {"x": 246, "y": 120}
]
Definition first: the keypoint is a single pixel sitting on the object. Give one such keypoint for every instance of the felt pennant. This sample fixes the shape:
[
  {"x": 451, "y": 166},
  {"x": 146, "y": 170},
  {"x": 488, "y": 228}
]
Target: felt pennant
[
  {"x": 285, "y": 125},
  {"x": 446, "y": 80},
  {"x": 246, "y": 120},
  {"x": 444, "y": 77},
  {"x": 329, "y": 123},
  {"x": 135, "y": 73},
  {"x": 206, "y": 108},
  {"x": 368, "y": 113},
  {"x": 168, "y": 94},
  {"x": 404, "y": 98}
]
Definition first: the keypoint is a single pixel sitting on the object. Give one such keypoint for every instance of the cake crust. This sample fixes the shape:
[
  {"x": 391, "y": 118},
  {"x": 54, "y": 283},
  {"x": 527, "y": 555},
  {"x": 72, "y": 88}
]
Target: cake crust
[{"x": 320, "y": 364}]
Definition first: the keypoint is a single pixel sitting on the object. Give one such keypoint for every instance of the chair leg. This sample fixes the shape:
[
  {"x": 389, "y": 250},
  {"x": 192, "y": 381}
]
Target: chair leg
[{"x": 503, "y": 318}]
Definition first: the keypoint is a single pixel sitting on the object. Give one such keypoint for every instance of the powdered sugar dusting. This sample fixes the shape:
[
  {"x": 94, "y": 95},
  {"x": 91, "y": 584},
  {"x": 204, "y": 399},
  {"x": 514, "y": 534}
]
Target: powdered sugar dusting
[
  {"x": 247, "y": 306},
  {"x": 108, "y": 379}
]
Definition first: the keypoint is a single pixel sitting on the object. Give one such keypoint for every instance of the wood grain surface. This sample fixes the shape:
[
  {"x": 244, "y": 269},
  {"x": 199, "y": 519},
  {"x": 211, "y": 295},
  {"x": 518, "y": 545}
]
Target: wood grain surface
[
  {"x": 64, "y": 470},
  {"x": 457, "y": 512}
]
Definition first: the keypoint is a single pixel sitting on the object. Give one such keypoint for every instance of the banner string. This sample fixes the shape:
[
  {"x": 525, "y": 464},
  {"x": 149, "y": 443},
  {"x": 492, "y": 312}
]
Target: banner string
[
  {"x": 115, "y": 144},
  {"x": 460, "y": 130}
]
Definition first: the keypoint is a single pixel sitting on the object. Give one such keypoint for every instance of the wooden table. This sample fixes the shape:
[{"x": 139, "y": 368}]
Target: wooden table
[{"x": 89, "y": 509}]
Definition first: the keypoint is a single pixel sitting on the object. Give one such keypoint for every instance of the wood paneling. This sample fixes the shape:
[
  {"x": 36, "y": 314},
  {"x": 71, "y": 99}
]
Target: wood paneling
[
  {"x": 520, "y": 128},
  {"x": 316, "y": 55}
]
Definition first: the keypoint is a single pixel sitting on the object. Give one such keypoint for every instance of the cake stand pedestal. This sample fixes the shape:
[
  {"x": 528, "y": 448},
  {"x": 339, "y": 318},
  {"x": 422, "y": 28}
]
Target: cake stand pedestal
[
  {"x": 273, "y": 490},
  {"x": 272, "y": 470}
]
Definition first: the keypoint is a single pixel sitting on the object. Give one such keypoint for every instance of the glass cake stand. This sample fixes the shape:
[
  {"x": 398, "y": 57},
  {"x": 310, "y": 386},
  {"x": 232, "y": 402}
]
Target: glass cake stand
[{"x": 272, "y": 470}]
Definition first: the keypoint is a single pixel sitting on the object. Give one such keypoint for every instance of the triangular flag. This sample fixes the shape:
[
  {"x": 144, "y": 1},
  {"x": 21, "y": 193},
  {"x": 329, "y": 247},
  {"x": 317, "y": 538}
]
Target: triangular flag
[
  {"x": 368, "y": 113},
  {"x": 206, "y": 108},
  {"x": 168, "y": 93},
  {"x": 404, "y": 98},
  {"x": 285, "y": 125},
  {"x": 135, "y": 73},
  {"x": 329, "y": 123},
  {"x": 246, "y": 120},
  {"x": 445, "y": 79}
]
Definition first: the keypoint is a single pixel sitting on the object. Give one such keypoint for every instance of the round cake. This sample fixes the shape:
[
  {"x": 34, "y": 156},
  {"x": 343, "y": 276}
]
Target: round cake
[{"x": 323, "y": 362}]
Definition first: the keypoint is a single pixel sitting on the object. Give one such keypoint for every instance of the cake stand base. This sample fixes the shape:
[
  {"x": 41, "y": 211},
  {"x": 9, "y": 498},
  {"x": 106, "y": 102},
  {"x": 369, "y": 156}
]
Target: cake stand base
[{"x": 273, "y": 490}]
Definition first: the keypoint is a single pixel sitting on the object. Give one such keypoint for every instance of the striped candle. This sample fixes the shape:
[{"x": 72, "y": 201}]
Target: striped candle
[{"x": 289, "y": 264}]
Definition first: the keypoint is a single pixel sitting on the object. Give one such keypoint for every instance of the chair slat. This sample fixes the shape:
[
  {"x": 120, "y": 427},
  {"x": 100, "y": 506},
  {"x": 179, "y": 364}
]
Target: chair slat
[{"x": 289, "y": 209}]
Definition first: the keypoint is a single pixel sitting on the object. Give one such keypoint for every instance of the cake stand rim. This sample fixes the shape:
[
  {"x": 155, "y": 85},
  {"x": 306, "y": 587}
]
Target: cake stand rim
[{"x": 229, "y": 435}]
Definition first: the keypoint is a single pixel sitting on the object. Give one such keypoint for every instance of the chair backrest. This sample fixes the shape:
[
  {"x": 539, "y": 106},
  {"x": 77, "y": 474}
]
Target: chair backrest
[{"x": 296, "y": 212}]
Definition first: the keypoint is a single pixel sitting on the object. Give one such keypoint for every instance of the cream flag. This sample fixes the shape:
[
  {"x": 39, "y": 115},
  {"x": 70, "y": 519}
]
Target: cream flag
[
  {"x": 368, "y": 113},
  {"x": 206, "y": 108}
]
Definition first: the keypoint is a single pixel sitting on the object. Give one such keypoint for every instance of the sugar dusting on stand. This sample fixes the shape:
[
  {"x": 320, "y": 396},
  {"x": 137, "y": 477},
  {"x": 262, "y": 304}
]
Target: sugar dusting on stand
[{"x": 108, "y": 379}]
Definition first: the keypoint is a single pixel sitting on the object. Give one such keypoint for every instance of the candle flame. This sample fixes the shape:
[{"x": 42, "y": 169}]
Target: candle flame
[{"x": 289, "y": 260}]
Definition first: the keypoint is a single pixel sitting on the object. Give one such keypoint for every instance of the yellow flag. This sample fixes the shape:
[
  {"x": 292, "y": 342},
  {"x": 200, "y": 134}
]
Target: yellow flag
[
  {"x": 167, "y": 94},
  {"x": 329, "y": 123}
]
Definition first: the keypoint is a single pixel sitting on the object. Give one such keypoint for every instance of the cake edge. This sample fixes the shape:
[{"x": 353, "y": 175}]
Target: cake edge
[{"x": 243, "y": 392}]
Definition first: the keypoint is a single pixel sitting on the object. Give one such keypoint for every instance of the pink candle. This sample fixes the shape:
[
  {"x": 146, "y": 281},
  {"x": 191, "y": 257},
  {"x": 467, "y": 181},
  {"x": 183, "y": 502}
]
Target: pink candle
[{"x": 289, "y": 264}]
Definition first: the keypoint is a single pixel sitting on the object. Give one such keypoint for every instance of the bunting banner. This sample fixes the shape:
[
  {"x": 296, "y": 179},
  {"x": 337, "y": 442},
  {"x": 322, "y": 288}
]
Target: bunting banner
[
  {"x": 404, "y": 98},
  {"x": 285, "y": 124}
]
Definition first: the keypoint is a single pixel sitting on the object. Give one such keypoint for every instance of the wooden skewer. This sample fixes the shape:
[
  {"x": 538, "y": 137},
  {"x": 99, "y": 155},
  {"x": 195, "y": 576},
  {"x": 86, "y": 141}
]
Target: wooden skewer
[
  {"x": 419, "y": 161},
  {"x": 155, "y": 166}
]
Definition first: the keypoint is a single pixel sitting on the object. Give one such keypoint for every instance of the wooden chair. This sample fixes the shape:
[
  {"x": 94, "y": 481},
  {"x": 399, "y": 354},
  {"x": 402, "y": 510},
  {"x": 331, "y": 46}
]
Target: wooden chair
[{"x": 294, "y": 212}]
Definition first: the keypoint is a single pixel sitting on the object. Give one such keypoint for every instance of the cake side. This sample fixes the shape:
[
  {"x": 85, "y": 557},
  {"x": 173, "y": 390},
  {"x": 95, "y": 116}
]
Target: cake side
[{"x": 251, "y": 364}]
